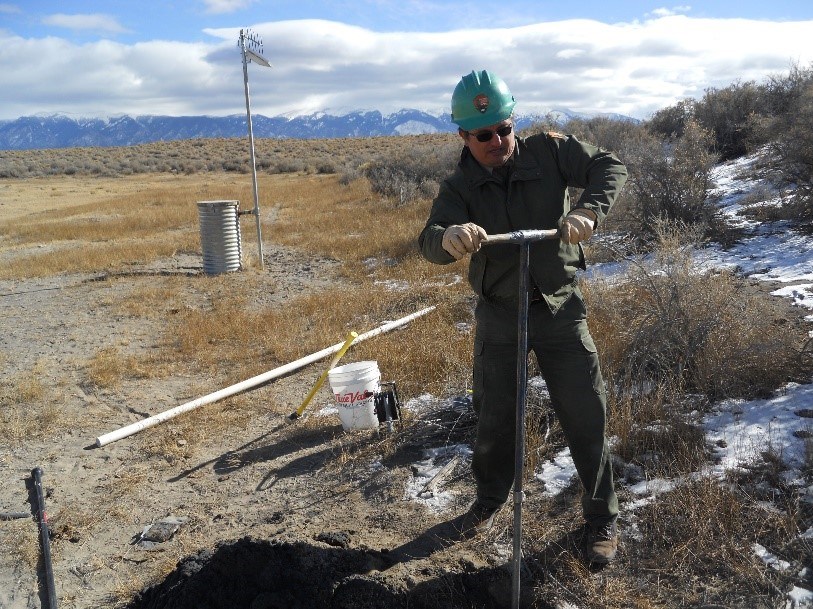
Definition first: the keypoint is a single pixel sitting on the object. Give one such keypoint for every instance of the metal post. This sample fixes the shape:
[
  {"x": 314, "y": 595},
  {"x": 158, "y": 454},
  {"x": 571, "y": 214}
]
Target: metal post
[{"x": 256, "y": 210}]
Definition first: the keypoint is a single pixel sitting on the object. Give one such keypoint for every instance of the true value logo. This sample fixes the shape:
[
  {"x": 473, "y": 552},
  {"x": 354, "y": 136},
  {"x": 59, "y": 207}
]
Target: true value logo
[{"x": 352, "y": 398}]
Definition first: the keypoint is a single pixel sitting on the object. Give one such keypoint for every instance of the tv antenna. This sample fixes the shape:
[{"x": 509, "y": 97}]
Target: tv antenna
[{"x": 251, "y": 48}]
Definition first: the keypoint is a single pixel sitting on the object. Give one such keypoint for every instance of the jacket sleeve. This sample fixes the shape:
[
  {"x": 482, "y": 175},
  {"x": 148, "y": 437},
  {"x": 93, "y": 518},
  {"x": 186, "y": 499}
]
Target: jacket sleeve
[
  {"x": 599, "y": 172},
  {"x": 448, "y": 208}
]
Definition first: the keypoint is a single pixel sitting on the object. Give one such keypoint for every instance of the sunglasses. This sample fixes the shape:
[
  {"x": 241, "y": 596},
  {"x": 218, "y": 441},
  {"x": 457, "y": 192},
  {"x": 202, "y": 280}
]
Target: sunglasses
[{"x": 485, "y": 136}]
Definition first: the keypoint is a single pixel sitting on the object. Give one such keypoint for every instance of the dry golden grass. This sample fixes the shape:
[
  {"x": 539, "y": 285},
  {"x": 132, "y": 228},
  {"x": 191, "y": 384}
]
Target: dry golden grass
[
  {"x": 705, "y": 518},
  {"x": 20, "y": 542},
  {"x": 48, "y": 418},
  {"x": 154, "y": 300},
  {"x": 382, "y": 278},
  {"x": 179, "y": 439},
  {"x": 107, "y": 232},
  {"x": 25, "y": 387},
  {"x": 109, "y": 366},
  {"x": 75, "y": 522},
  {"x": 323, "y": 319},
  {"x": 26, "y": 413},
  {"x": 349, "y": 223},
  {"x": 126, "y": 587}
]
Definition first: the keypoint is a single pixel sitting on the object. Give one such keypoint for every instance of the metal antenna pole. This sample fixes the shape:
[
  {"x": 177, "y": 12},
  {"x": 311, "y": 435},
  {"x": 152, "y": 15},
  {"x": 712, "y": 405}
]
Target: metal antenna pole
[{"x": 256, "y": 210}]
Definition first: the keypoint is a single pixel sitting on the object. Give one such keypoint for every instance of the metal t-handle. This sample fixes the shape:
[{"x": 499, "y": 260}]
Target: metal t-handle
[{"x": 522, "y": 236}]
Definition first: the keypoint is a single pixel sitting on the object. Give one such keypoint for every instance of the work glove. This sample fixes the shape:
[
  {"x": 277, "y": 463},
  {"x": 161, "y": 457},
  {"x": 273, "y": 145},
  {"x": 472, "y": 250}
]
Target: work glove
[
  {"x": 578, "y": 226},
  {"x": 461, "y": 239}
]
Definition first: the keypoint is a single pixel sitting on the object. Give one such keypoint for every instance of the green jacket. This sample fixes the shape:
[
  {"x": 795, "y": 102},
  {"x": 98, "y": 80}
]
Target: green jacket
[{"x": 536, "y": 197}]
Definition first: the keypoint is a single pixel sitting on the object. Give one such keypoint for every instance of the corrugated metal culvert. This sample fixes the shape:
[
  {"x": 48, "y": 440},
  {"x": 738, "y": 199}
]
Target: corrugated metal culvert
[{"x": 220, "y": 236}]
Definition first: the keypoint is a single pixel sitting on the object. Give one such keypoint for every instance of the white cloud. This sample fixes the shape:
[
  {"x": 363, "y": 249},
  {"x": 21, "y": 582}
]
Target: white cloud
[
  {"x": 218, "y": 7},
  {"x": 582, "y": 65},
  {"x": 669, "y": 12},
  {"x": 96, "y": 22},
  {"x": 10, "y": 9}
]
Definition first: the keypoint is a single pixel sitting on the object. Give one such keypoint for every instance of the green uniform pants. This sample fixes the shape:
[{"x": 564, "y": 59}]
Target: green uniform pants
[{"x": 569, "y": 364}]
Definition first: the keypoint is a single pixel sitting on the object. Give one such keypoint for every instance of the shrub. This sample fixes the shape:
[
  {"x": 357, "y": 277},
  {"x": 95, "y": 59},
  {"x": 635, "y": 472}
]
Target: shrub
[
  {"x": 288, "y": 166},
  {"x": 729, "y": 115},
  {"x": 608, "y": 133},
  {"x": 671, "y": 121},
  {"x": 782, "y": 91},
  {"x": 665, "y": 323},
  {"x": 413, "y": 174},
  {"x": 790, "y": 155},
  {"x": 741, "y": 117},
  {"x": 670, "y": 181}
]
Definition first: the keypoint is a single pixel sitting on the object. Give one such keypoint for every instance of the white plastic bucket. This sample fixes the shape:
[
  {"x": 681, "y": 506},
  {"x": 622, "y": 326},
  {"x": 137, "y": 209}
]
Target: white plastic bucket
[{"x": 355, "y": 386}]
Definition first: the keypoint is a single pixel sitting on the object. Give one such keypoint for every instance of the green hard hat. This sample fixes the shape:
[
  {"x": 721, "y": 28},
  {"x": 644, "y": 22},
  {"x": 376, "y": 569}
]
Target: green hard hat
[{"x": 481, "y": 99}]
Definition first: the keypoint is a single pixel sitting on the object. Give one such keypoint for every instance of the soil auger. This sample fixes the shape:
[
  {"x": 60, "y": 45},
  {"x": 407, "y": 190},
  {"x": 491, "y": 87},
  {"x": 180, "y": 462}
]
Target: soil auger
[{"x": 523, "y": 238}]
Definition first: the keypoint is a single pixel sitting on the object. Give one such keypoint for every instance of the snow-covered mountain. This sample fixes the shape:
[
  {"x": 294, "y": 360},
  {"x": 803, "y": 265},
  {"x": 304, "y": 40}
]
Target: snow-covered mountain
[{"x": 61, "y": 131}]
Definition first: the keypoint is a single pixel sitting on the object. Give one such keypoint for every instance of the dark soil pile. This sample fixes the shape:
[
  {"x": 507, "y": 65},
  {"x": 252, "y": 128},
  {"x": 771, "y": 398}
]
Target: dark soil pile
[{"x": 260, "y": 574}]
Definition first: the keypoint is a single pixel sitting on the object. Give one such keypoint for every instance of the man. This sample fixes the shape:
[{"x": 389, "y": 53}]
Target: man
[{"x": 504, "y": 183}]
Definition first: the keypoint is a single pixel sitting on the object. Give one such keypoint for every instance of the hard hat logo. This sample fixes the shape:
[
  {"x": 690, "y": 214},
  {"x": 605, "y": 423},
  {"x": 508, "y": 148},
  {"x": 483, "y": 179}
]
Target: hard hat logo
[{"x": 481, "y": 102}]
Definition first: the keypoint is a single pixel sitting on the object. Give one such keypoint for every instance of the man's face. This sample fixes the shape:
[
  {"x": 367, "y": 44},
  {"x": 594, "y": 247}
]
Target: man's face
[{"x": 497, "y": 149}]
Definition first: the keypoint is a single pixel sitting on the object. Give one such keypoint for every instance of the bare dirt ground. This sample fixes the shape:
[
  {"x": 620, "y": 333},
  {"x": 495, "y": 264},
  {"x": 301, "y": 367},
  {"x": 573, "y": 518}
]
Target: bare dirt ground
[{"x": 267, "y": 514}]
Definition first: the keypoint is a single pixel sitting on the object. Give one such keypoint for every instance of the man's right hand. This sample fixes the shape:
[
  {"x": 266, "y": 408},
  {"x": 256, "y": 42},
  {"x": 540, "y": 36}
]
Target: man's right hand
[{"x": 462, "y": 239}]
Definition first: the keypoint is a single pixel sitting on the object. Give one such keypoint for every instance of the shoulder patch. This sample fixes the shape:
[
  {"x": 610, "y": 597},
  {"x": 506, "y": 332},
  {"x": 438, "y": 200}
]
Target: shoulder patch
[{"x": 555, "y": 134}]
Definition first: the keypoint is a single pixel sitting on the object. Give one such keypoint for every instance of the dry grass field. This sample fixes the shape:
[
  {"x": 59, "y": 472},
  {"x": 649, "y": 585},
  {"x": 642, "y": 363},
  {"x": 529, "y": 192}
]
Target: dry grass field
[{"x": 108, "y": 318}]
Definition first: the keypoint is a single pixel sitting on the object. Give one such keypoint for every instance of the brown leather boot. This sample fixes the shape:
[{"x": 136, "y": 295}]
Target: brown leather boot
[
  {"x": 602, "y": 543},
  {"x": 478, "y": 520}
]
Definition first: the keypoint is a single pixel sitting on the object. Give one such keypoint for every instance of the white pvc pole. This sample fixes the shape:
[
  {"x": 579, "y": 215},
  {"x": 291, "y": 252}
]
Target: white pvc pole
[{"x": 247, "y": 384}]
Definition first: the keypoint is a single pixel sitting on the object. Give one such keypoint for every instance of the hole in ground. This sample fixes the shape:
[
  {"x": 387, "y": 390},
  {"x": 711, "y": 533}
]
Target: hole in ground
[{"x": 272, "y": 574}]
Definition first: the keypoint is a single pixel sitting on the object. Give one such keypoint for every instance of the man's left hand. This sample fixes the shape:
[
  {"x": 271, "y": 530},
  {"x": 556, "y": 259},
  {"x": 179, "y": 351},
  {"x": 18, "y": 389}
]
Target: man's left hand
[{"x": 577, "y": 226}]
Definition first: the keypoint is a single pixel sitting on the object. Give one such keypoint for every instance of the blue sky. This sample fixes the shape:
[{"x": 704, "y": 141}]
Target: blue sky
[{"x": 180, "y": 57}]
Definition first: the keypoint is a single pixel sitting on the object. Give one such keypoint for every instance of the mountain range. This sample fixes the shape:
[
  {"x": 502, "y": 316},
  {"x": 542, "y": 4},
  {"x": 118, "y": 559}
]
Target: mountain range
[{"x": 62, "y": 131}]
